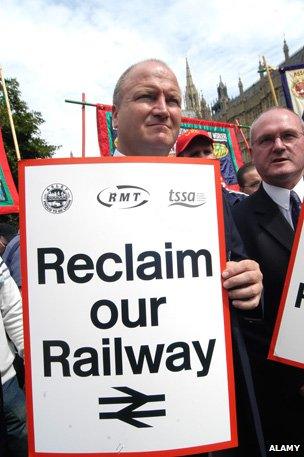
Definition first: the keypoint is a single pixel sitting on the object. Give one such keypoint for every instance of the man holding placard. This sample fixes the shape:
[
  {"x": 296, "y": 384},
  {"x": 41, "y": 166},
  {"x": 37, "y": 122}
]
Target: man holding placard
[
  {"x": 143, "y": 317},
  {"x": 147, "y": 115},
  {"x": 266, "y": 222}
]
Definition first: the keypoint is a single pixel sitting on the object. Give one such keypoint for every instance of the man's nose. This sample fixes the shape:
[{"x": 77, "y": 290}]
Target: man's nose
[
  {"x": 278, "y": 144},
  {"x": 160, "y": 107}
]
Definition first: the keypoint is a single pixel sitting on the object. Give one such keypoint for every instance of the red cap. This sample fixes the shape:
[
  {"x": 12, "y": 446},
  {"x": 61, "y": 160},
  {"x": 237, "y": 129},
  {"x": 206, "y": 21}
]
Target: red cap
[{"x": 184, "y": 139}]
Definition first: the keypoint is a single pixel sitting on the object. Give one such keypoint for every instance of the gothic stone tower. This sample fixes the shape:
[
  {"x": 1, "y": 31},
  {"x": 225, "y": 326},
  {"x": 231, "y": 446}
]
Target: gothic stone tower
[{"x": 195, "y": 106}]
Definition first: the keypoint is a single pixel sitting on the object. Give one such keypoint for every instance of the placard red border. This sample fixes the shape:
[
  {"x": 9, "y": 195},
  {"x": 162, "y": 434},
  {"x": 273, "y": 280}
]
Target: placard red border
[
  {"x": 226, "y": 314},
  {"x": 271, "y": 354}
]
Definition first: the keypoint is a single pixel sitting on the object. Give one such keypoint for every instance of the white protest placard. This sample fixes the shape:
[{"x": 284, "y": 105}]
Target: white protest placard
[
  {"x": 287, "y": 344},
  {"x": 127, "y": 328}
]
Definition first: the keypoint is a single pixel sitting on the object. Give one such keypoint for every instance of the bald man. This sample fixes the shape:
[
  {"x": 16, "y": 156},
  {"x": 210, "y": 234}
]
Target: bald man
[
  {"x": 266, "y": 221},
  {"x": 147, "y": 116}
]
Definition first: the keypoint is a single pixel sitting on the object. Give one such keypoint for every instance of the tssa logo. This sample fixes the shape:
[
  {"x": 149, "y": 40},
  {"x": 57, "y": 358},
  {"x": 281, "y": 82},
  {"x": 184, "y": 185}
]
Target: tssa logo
[
  {"x": 189, "y": 199},
  {"x": 123, "y": 197}
]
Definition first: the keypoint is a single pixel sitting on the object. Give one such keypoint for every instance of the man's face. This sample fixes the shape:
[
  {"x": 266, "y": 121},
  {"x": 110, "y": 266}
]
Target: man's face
[
  {"x": 278, "y": 148},
  {"x": 252, "y": 181},
  {"x": 198, "y": 147},
  {"x": 149, "y": 114}
]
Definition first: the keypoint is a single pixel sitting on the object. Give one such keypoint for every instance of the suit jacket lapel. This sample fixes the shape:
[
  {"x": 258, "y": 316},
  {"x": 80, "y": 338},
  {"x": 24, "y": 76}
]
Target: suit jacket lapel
[{"x": 272, "y": 220}]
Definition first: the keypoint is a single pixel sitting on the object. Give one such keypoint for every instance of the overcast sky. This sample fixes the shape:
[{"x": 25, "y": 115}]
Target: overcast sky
[{"x": 59, "y": 49}]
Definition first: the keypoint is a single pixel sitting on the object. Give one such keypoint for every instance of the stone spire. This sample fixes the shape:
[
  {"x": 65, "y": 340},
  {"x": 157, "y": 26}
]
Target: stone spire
[
  {"x": 261, "y": 69},
  {"x": 222, "y": 91},
  {"x": 222, "y": 99},
  {"x": 205, "y": 109},
  {"x": 241, "y": 89},
  {"x": 286, "y": 50},
  {"x": 191, "y": 95}
]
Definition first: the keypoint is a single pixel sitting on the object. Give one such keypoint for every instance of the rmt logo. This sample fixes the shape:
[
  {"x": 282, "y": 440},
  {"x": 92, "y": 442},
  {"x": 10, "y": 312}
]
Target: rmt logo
[
  {"x": 123, "y": 196},
  {"x": 188, "y": 199}
]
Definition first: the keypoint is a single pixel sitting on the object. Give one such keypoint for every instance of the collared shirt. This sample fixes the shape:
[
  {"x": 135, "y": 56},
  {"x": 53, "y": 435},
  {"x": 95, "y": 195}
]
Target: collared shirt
[{"x": 281, "y": 196}]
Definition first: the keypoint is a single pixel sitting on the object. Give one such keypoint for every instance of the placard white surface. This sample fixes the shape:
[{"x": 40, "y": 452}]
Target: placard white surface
[{"x": 180, "y": 336}]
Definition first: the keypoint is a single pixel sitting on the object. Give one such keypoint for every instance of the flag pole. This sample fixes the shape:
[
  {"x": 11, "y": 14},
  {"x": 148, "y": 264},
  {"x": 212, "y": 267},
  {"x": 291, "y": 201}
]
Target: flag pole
[
  {"x": 80, "y": 103},
  {"x": 10, "y": 116},
  {"x": 243, "y": 136},
  {"x": 274, "y": 97},
  {"x": 83, "y": 124}
]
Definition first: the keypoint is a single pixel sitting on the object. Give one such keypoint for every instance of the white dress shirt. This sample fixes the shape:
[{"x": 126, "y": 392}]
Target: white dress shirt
[{"x": 281, "y": 197}]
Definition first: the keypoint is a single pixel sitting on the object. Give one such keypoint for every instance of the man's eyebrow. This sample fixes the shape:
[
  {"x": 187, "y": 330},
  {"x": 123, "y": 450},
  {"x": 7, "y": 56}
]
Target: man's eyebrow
[
  {"x": 287, "y": 130},
  {"x": 290, "y": 130},
  {"x": 145, "y": 89},
  {"x": 174, "y": 92}
]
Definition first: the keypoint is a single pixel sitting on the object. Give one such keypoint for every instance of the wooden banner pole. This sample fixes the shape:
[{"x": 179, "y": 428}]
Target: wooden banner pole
[
  {"x": 83, "y": 125},
  {"x": 243, "y": 136},
  {"x": 10, "y": 116},
  {"x": 274, "y": 97}
]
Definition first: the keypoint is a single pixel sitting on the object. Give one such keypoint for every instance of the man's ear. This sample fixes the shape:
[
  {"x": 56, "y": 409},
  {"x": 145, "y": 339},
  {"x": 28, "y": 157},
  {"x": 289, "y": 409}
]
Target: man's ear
[{"x": 114, "y": 116}]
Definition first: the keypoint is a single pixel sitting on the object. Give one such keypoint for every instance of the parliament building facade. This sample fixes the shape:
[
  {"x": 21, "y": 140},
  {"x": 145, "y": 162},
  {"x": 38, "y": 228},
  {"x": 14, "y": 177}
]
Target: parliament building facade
[{"x": 248, "y": 104}]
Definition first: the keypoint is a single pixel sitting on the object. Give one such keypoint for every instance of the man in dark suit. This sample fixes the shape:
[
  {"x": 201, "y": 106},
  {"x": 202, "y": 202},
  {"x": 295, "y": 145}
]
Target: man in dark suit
[{"x": 266, "y": 221}]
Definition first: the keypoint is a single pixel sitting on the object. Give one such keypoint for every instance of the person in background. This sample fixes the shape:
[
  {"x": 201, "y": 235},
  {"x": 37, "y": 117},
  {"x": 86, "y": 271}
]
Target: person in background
[
  {"x": 10, "y": 247},
  {"x": 7, "y": 233},
  {"x": 199, "y": 143},
  {"x": 11, "y": 257},
  {"x": 11, "y": 326},
  {"x": 196, "y": 144},
  {"x": 248, "y": 178}
]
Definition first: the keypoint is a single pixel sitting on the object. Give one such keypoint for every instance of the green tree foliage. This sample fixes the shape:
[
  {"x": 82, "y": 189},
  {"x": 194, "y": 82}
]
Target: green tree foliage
[{"x": 27, "y": 125}]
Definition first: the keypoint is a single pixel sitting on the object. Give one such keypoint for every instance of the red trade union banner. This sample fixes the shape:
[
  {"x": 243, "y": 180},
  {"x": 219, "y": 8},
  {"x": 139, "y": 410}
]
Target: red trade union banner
[
  {"x": 226, "y": 146},
  {"x": 287, "y": 345},
  {"x": 126, "y": 324},
  {"x": 9, "y": 200}
]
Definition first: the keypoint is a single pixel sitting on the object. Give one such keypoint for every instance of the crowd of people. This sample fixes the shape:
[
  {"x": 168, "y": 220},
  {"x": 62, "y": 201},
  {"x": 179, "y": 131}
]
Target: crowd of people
[{"x": 260, "y": 222}]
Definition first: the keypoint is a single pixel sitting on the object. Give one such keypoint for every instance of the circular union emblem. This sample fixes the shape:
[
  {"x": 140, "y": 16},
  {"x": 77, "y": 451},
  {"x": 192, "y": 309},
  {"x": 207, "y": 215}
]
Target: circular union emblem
[
  {"x": 57, "y": 198},
  {"x": 298, "y": 88},
  {"x": 220, "y": 150}
]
